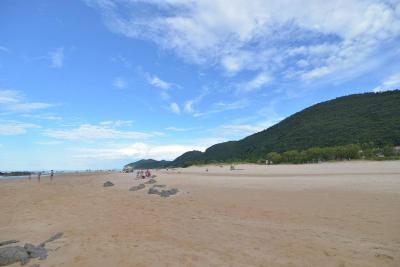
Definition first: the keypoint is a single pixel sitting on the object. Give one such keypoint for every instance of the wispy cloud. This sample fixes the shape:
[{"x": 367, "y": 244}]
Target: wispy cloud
[
  {"x": 50, "y": 117},
  {"x": 93, "y": 132},
  {"x": 15, "y": 127},
  {"x": 280, "y": 36},
  {"x": 174, "y": 107},
  {"x": 4, "y": 49},
  {"x": 177, "y": 129},
  {"x": 117, "y": 123},
  {"x": 189, "y": 104},
  {"x": 137, "y": 151},
  {"x": 119, "y": 83},
  {"x": 259, "y": 81},
  {"x": 223, "y": 106},
  {"x": 49, "y": 143},
  {"x": 157, "y": 82},
  {"x": 242, "y": 130},
  {"x": 390, "y": 83},
  {"x": 14, "y": 101},
  {"x": 57, "y": 57}
]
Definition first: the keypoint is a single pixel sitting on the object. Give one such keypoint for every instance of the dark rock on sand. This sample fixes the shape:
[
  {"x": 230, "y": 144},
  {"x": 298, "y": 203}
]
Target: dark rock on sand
[
  {"x": 36, "y": 251},
  {"x": 51, "y": 239},
  {"x": 169, "y": 192},
  {"x": 160, "y": 185},
  {"x": 10, "y": 255},
  {"x": 108, "y": 183},
  {"x": 163, "y": 193},
  {"x": 137, "y": 187},
  {"x": 151, "y": 181},
  {"x": 8, "y": 242}
]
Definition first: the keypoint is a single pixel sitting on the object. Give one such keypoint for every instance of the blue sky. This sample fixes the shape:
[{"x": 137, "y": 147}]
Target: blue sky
[{"x": 101, "y": 83}]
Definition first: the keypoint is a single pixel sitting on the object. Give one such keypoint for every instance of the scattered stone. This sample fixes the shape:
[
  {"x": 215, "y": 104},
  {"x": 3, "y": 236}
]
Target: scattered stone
[
  {"x": 10, "y": 255},
  {"x": 8, "y": 242},
  {"x": 153, "y": 190},
  {"x": 383, "y": 256},
  {"x": 137, "y": 187},
  {"x": 153, "y": 176},
  {"x": 36, "y": 252},
  {"x": 151, "y": 181},
  {"x": 108, "y": 184},
  {"x": 170, "y": 192},
  {"x": 163, "y": 193},
  {"x": 160, "y": 185},
  {"x": 51, "y": 239}
]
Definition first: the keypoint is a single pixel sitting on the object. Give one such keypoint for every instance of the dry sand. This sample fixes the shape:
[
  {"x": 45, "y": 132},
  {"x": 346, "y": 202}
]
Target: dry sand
[{"x": 331, "y": 214}]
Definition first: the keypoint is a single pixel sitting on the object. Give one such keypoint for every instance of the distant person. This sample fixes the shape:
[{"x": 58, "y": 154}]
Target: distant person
[
  {"x": 38, "y": 176},
  {"x": 147, "y": 173},
  {"x": 30, "y": 176},
  {"x": 51, "y": 175}
]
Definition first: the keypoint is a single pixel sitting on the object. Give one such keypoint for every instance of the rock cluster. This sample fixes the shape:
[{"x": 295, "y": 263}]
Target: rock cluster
[
  {"x": 13, "y": 254},
  {"x": 151, "y": 181},
  {"x": 156, "y": 189},
  {"x": 163, "y": 192},
  {"x": 137, "y": 187},
  {"x": 108, "y": 184}
]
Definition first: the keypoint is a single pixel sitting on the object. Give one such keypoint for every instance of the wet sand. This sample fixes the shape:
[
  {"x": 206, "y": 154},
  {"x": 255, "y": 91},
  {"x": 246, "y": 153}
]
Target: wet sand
[{"x": 331, "y": 214}]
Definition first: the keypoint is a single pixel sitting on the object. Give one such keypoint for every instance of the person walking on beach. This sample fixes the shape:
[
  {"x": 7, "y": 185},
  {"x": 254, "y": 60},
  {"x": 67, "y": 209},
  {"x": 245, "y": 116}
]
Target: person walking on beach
[
  {"x": 38, "y": 176},
  {"x": 51, "y": 175}
]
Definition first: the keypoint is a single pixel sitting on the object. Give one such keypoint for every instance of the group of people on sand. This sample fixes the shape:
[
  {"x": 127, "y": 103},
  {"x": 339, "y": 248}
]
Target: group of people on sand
[
  {"x": 143, "y": 174},
  {"x": 39, "y": 176}
]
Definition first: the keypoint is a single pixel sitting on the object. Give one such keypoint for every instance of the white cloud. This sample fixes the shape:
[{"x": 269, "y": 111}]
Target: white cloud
[
  {"x": 263, "y": 35},
  {"x": 91, "y": 132},
  {"x": 176, "y": 129},
  {"x": 390, "y": 83},
  {"x": 164, "y": 96},
  {"x": 189, "y": 104},
  {"x": 259, "y": 81},
  {"x": 119, "y": 83},
  {"x": 49, "y": 143},
  {"x": 174, "y": 107},
  {"x": 137, "y": 151},
  {"x": 26, "y": 107},
  {"x": 223, "y": 106},
  {"x": 118, "y": 123},
  {"x": 9, "y": 96},
  {"x": 4, "y": 49},
  {"x": 188, "y": 107},
  {"x": 157, "y": 82},
  {"x": 57, "y": 57},
  {"x": 242, "y": 130},
  {"x": 15, "y": 128},
  {"x": 14, "y": 101},
  {"x": 245, "y": 129}
]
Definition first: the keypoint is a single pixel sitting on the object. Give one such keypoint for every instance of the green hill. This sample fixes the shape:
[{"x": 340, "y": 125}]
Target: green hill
[
  {"x": 148, "y": 164},
  {"x": 354, "y": 119}
]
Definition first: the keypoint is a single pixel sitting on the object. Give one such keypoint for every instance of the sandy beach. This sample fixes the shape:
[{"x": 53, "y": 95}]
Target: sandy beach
[{"x": 330, "y": 214}]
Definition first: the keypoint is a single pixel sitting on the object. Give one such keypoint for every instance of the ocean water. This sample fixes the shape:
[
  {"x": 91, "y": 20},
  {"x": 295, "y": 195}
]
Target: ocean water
[{"x": 20, "y": 177}]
